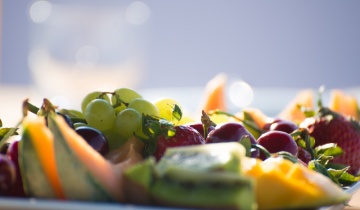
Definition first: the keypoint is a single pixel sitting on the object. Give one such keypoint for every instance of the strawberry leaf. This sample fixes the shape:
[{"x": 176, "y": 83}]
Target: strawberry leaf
[
  {"x": 330, "y": 149},
  {"x": 316, "y": 166},
  {"x": 153, "y": 127},
  {"x": 308, "y": 112},
  {"x": 304, "y": 140},
  {"x": 245, "y": 141},
  {"x": 348, "y": 179}
]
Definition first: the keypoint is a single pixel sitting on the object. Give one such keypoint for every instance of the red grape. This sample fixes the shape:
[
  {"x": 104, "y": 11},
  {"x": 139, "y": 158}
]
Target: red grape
[
  {"x": 277, "y": 141},
  {"x": 200, "y": 128},
  {"x": 13, "y": 153},
  {"x": 231, "y": 132},
  {"x": 280, "y": 125},
  {"x": 95, "y": 138},
  {"x": 7, "y": 175}
]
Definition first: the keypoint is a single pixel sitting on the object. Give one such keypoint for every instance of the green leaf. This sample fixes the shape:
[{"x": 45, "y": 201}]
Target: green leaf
[
  {"x": 287, "y": 156},
  {"x": 7, "y": 132},
  {"x": 324, "y": 160},
  {"x": 177, "y": 113},
  {"x": 1, "y": 123},
  {"x": 330, "y": 149},
  {"x": 348, "y": 179},
  {"x": 337, "y": 173},
  {"x": 308, "y": 112},
  {"x": 324, "y": 171},
  {"x": 304, "y": 140},
  {"x": 245, "y": 141}
]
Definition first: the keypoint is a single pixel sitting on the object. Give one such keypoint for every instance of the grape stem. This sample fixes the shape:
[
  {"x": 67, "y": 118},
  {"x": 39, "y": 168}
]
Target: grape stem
[
  {"x": 32, "y": 108},
  {"x": 206, "y": 121},
  {"x": 262, "y": 149},
  {"x": 245, "y": 122}
]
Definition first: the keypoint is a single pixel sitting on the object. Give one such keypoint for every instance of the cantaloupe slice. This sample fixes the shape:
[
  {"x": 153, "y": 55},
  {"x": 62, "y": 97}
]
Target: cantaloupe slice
[
  {"x": 37, "y": 160},
  {"x": 292, "y": 112},
  {"x": 214, "y": 94},
  {"x": 344, "y": 103},
  {"x": 84, "y": 174},
  {"x": 259, "y": 117}
]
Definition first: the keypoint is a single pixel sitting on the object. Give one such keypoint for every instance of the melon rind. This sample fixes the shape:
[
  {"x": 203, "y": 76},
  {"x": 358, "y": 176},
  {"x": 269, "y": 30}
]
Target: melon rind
[
  {"x": 36, "y": 183},
  {"x": 77, "y": 181}
]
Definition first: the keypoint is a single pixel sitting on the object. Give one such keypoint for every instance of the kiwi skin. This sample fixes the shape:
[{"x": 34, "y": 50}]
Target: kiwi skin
[{"x": 220, "y": 195}]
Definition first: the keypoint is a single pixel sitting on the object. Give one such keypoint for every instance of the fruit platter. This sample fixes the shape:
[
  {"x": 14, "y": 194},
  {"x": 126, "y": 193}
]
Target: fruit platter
[{"x": 120, "y": 149}]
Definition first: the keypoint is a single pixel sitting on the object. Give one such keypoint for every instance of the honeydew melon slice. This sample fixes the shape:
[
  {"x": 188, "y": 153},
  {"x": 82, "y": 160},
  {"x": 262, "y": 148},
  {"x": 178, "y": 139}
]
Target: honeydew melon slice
[
  {"x": 84, "y": 174},
  {"x": 37, "y": 160}
]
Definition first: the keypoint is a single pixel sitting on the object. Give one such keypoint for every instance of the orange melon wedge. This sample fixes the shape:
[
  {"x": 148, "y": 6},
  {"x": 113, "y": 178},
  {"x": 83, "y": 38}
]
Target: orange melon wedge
[
  {"x": 37, "y": 160},
  {"x": 259, "y": 117},
  {"x": 214, "y": 94},
  {"x": 344, "y": 103},
  {"x": 83, "y": 172},
  {"x": 292, "y": 112}
]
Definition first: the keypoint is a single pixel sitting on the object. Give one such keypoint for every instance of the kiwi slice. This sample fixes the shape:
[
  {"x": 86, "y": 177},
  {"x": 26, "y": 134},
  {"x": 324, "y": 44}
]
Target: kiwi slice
[{"x": 203, "y": 176}]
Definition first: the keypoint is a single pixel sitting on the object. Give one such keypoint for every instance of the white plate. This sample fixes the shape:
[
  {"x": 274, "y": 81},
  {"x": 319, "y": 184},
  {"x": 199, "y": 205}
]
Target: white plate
[{"x": 39, "y": 204}]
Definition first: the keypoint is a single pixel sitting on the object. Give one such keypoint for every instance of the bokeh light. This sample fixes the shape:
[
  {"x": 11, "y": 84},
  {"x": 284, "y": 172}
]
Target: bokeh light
[
  {"x": 137, "y": 13},
  {"x": 40, "y": 11},
  {"x": 241, "y": 93}
]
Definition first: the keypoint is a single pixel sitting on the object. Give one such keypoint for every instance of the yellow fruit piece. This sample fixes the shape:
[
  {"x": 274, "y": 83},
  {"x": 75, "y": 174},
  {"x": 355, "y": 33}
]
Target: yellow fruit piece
[
  {"x": 220, "y": 118},
  {"x": 281, "y": 184},
  {"x": 292, "y": 112},
  {"x": 214, "y": 95},
  {"x": 185, "y": 120},
  {"x": 343, "y": 103},
  {"x": 166, "y": 107}
]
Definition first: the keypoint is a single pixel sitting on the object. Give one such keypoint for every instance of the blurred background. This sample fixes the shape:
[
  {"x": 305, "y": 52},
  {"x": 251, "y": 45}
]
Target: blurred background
[
  {"x": 67, "y": 46},
  {"x": 185, "y": 43}
]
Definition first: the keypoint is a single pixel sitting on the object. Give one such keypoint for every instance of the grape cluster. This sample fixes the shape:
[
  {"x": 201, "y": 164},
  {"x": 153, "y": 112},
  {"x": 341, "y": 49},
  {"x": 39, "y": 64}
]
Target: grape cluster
[{"x": 119, "y": 114}]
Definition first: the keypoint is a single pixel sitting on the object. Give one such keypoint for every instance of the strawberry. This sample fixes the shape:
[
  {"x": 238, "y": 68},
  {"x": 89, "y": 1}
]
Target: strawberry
[
  {"x": 330, "y": 127},
  {"x": 162, "y": 134},
  {"x": 184, "y": 136}
]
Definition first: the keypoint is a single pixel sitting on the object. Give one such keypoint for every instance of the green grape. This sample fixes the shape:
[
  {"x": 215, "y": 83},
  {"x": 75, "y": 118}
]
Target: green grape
[
  {"x": 127, "y": 122},
  {"x": 91, "y": 96},
  {"x": 125, "y": 95},
  {"x": 114, "y": 139},
  {"x": 144, "y": 107},
  {"x": 100, "y": 114},
  {"x": 72, "y": 113},
  {"x": 166, "y": 107}
]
